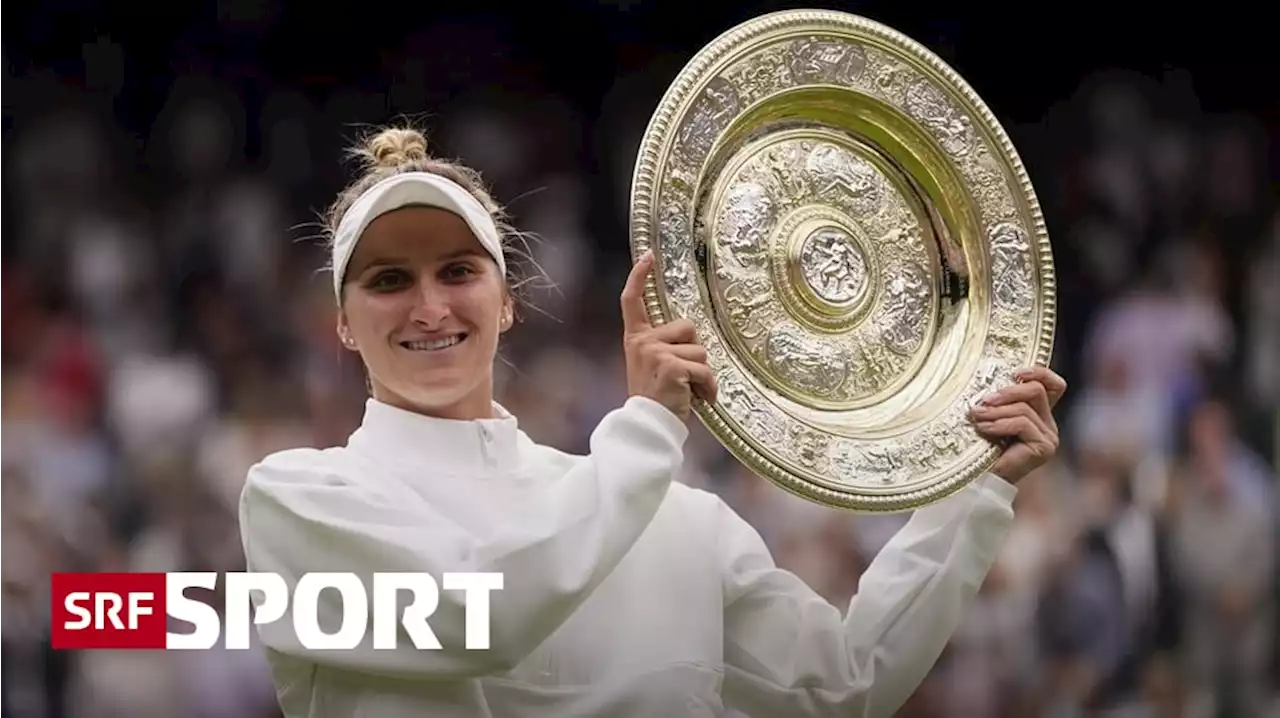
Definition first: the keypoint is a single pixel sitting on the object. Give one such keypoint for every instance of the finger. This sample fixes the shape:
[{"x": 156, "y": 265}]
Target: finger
[
  {"x": 680, "y": 331},
  {"x": 1020, "y": 431},
  {"x": 1009, "y": 411},
  {"x": 635, "y": 318},
  {"x": 1055, "y": 386},
  {"x": 706, "y": 391},
  {"x": 1032, "y": 393},
  {"x": 702, "y": 381},
  {"x": 695, "y": 353},
  {"x": 1017, "y": 427}
]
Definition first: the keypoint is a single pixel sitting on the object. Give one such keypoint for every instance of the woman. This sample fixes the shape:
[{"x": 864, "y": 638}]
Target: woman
[{"x": 625, "y": 594}]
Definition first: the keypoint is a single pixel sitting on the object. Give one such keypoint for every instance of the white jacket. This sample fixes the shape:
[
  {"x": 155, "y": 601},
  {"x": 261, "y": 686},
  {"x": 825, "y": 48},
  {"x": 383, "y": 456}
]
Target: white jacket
[{"x": 626, "y": 595}]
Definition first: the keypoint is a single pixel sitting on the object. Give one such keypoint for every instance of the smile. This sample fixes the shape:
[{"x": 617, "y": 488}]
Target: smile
[{"x": 432, "y": 345}]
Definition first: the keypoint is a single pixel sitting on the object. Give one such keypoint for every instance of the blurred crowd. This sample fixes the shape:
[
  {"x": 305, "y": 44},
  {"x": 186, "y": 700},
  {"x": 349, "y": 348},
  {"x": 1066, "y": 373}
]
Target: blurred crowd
[{"x": 165, "y": 325}]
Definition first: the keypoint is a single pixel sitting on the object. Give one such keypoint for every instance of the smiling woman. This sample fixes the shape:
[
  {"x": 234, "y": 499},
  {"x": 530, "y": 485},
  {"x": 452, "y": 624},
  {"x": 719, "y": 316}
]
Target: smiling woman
[
  {"x": 624, "y": 592},
  {"x": 423, "y": 293}
]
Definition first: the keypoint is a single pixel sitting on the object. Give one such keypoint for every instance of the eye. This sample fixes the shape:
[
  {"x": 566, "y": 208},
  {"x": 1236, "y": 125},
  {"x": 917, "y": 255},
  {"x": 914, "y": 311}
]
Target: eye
[
  {"x": 459, "y": 271},
  {"x": 389, "y": 280}
]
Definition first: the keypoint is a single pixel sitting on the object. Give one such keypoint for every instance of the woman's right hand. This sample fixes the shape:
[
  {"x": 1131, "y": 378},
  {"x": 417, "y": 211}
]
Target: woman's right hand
[{"x": 664, "y": 363}]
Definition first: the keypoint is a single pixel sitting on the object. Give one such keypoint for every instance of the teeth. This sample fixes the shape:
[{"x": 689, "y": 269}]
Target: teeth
[{"x": 434, "y": 344}]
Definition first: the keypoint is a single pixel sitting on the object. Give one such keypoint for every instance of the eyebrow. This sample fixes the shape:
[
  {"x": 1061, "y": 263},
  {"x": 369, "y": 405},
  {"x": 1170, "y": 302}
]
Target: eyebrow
[
  {"x": 465, "y": 252},
  {"x": 398, "y": 261}
]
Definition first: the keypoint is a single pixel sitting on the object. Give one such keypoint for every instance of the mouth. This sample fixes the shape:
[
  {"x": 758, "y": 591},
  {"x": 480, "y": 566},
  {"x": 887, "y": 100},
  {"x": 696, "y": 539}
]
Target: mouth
[{"x": 434, "y": 345}]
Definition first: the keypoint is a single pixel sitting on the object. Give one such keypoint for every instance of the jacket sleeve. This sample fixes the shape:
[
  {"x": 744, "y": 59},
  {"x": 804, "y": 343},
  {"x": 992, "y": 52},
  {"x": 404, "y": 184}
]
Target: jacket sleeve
[
  {"x": 790, "y": 652},
  {"x": 552, "y": 550}
]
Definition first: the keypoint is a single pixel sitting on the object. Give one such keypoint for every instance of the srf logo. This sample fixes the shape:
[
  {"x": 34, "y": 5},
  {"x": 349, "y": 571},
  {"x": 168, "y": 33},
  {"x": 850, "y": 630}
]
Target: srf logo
[{"x": 108, "y": 610}]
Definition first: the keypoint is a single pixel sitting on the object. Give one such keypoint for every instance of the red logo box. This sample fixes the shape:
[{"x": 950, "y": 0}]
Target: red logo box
[{"x": 108, "y": 610}]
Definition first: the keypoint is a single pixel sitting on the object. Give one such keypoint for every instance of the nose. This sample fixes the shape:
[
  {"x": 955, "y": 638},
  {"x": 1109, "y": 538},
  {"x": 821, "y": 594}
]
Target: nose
[{"x": 431, "y": 307}]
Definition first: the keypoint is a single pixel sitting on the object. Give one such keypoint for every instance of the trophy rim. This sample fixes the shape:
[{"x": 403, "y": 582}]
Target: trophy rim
[{"x": 658, "y": 138}]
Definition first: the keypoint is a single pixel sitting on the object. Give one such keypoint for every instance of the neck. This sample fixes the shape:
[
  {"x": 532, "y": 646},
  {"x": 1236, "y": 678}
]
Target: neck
[{"x": 478, "y": 404}]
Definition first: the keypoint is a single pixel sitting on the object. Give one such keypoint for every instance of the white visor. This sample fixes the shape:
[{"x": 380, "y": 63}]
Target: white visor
[{"x": 404, "y": 190}]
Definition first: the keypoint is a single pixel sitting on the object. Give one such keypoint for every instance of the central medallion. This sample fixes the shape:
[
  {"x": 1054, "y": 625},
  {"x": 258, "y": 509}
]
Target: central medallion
[
  {"x": 833, "y": 266},
  {"x": 806, "y": 230},
  {"x": 823, "y": 267}
]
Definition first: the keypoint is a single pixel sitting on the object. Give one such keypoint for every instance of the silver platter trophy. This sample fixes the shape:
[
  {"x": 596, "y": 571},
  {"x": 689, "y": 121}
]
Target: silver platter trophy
[{"x": 859, "y": 246}]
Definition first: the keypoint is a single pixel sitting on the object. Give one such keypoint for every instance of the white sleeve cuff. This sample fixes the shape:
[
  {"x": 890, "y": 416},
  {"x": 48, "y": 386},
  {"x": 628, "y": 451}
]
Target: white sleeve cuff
[
  {"x": 660, "y": 415},
  {"x": 991, "y": 485}
]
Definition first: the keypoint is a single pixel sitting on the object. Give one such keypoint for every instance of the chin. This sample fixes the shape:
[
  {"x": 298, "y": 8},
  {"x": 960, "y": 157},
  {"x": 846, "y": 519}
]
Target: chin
[{"x": 440, "y": 392}]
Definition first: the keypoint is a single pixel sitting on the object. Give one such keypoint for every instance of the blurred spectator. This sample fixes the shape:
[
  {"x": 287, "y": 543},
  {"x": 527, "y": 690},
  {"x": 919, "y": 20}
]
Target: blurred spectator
[{"x": 1225, "y": 555}]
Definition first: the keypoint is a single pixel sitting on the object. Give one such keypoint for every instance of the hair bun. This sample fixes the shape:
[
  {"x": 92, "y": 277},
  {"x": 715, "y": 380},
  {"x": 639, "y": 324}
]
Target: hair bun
[{"x": 394, "y": 147}]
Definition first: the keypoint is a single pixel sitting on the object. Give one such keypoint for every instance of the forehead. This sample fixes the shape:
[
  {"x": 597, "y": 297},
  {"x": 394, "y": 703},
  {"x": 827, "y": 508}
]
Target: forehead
[{"x": 419, "y": 234}]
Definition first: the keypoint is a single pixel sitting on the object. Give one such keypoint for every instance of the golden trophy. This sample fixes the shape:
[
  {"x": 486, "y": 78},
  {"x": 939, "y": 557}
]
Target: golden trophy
[{"x": 859, "y": 246}]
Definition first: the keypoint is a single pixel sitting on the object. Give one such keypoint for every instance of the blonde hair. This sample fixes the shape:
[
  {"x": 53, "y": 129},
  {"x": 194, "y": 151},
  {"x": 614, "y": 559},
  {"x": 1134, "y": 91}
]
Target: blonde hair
[{"x": 395, "y": 150}]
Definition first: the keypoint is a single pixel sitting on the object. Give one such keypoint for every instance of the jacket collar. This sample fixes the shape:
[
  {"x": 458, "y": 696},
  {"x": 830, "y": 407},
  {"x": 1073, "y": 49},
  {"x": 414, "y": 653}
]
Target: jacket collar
[{"x": 480, "y": 447}]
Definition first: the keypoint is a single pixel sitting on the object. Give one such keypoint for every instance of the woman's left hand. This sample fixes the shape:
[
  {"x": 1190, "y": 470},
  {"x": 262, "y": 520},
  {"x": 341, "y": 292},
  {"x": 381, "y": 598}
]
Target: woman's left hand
[{"x": 1021, "y": 416}]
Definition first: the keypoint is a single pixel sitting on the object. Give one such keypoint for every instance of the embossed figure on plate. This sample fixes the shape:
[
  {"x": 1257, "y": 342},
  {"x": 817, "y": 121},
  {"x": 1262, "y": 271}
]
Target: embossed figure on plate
[
  {"x": 807, "y": 364},
  {"x": 748, "y": 212},
  {"x": 833, "y": 266},
  {"x": 906, "y": 310},
  {"x": 844, "y": 178},
  {"x": 814, "y": 60},
  {"x": 933, "y": 108},
  {"x": 717, "y": 106},
  {"x": 1011, "y": 268}
]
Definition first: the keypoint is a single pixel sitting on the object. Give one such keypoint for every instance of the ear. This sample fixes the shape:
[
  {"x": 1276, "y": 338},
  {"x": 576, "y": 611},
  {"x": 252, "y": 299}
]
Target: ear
[
  {"x": 344, "y": 334},
  {"x": 507, "y": 317}
]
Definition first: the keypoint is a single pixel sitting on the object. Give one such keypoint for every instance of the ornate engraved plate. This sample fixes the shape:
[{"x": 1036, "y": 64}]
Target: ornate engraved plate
[{"x": 858, "y": 244}]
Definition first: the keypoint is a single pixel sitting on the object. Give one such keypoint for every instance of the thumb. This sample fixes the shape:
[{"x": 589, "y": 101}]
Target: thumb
[{"x": 635, "y": 318}]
